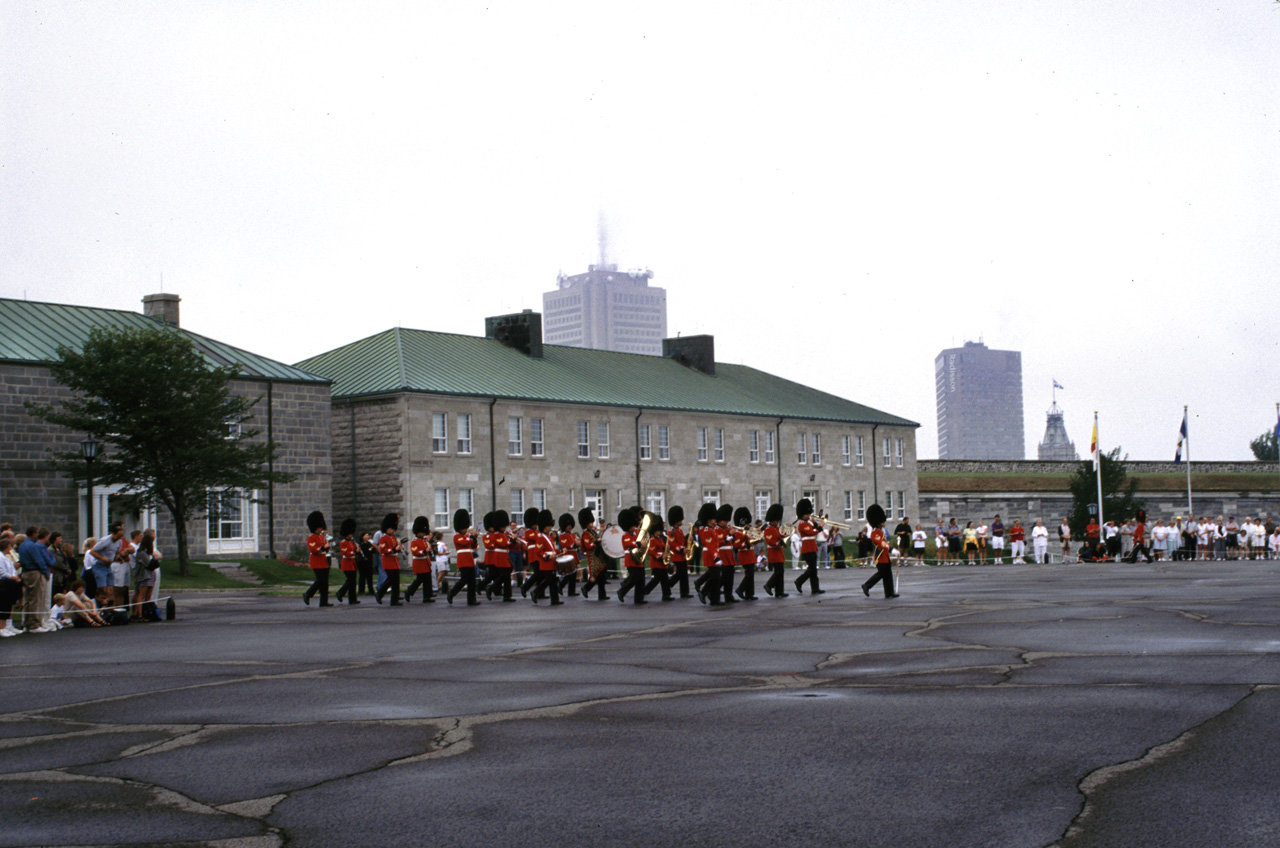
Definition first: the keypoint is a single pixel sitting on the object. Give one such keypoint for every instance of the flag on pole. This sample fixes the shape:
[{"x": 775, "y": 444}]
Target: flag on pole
[
  {"x": 1182, "y": 437},
  {"x": 1277, "y": 432},
  {"x": 1058, "y": 385},
  {"x": 1093, "y": 445}
]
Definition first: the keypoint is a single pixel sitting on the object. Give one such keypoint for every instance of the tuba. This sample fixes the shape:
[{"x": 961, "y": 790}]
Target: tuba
[{"x": 647, "y": 522}]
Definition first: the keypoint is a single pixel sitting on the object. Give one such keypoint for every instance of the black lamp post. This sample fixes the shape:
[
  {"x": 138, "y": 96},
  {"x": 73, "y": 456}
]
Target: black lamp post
[{"x": 89, "y": 450}]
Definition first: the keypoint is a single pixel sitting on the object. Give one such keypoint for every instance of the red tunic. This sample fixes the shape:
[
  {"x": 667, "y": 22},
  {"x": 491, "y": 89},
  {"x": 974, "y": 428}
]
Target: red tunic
[
  {"x": 709, "y": 537},
  {"x": 808, "y": 537},
  {"x": 656, "y": 548},
  {"x": 420, "y": 555},
  {"x": 389, "y": 547},
  {"x": 629, "y": 542},
  {"x": 317, "y": 550},
  {"x": 496, "y": 549},
  {"x": 881, "y": 547},
  {"x": 588, "y": 541},
  {"x": 743, "y": 548},
  {"x": 724, "y": 545},
  {"x": 773, "y": 544},
  {"x": 347, "y": 548},
  {"x": 546, "y": 553},
  {"x": 678, "y": 541},
  {"x": 464, "y": 545},
  {"x": 569, "y": 544}
]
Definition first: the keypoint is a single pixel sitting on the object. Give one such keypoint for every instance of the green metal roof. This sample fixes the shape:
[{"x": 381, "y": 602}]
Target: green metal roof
[
  {"x": 402, "y": 360},
  {"x": 36, "y": 330}
]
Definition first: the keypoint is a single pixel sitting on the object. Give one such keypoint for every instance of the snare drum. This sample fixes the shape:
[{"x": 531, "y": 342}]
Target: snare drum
[{"x": 567, "y": 563}]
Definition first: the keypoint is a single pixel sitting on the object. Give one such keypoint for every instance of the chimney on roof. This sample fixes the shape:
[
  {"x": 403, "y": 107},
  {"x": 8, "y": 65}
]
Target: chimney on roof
[
  {"x": 162, "y": 307},
  {"x": 520, "y": 330},
  {"x": 697, "y": 352}
]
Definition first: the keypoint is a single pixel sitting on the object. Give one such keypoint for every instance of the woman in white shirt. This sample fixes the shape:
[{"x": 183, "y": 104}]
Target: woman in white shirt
[
  {"x": 918, "y": 539},
  {"x": 1040, "y": 541}
]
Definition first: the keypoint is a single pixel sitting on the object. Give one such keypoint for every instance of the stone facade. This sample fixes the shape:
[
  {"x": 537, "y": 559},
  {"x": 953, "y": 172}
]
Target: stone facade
[
  {"x": 386, "y": 459},
  {"x": 33, "y": 491}
]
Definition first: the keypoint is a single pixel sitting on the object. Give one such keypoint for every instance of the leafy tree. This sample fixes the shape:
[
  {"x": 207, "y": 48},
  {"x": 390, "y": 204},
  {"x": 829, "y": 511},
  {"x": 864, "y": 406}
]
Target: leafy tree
[
  {"x": 172, "y": 430},
  {"x": 1119, "y": 500},
  {"x": 1264, "y": 447}
]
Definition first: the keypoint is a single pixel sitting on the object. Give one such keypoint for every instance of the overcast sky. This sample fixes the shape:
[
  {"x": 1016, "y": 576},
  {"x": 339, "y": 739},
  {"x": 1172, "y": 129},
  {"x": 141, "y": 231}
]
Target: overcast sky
[{"x": 837, "y": 191}]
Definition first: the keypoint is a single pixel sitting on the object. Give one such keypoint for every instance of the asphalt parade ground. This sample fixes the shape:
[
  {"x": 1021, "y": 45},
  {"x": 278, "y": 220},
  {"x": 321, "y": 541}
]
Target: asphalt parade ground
[{"x": 1065, "y": 705}]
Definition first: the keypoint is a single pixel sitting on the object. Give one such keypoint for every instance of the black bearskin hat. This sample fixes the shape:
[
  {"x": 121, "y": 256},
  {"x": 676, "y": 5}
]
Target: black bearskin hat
[
  {"x": 706, "y": 513},
  {"x": 742, "y": 516},
  {"x": 675, "y": 515},
  {"x": 627, "y": 520},
  {"x": 488, "y": 522},
  {"x": 804, "y": 507},
  {"x": 1141, "y": 516},
  {"x": 391, "y": 522},
  {"x": 501, "y": 520},
  {"x": 656, "y": 526},
  {"x": 724, "y": 513},
  {"x": 315, "y": 522},
  {"x": 586, "y": 517},
  {"x": 531, "y": 517},
  {"x": 774, "y": 513},
  {"x": 421, "y": 526},
  {"x": 546, "y": 519},
  {"x": 566, "y": 522},
  {"x": 461, "y": 520},
  {"x": 348, "y": 527},
  {"x": 875, "y": 515}
]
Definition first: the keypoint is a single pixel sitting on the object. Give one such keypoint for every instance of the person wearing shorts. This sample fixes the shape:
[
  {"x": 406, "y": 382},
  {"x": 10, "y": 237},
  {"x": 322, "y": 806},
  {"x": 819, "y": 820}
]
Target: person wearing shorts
[
  {"x": 997, "y": 540},
  {"x": 954, "y": 538}
]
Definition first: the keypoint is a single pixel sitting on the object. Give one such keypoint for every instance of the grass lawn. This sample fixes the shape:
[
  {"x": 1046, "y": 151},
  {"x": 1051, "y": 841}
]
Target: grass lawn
[
  {"x": 200, "y": 576},
  {"x": 274, "y": 574}
]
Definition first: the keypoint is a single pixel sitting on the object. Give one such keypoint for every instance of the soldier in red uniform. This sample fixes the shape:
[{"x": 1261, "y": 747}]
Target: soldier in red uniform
[
  {"x": 548, "y": 578},
  {"x": 726, "y": 537},
  {"x": 678, "y": 541},
  {"x": 879, "y": 553},
  {"x": 529, "y": 540},
  {"x": 420, "y": 554},
  {"x": 808, "y": 531},
  {"x": 318, "y": 559},
  {"x": 708, "y": 583},
  {"x": 774, "y": 555},
  {"x": 464, "y": 546},
  {"x": 567, "y": 542},
  {"x": 746, "y": 554},
  {"x": 389, "y": 550},
  {"x": 660, "y": 573},
  {"x": 347, "y": 561},
  {"x": 633, "y": 558},
  {"x": 590, "y": 539},
  {"x": 488, "y": 574},
  {"x": 500, "y": 540}
]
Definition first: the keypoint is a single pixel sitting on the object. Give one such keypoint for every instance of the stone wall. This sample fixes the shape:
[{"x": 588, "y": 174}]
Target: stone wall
[
  {"x": 1031, "y": 466},
  {"x": 368, "y": 473}
]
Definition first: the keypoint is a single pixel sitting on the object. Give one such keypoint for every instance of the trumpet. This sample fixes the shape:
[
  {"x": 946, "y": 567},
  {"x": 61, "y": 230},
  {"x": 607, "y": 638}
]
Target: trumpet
[{"x": 828, "y": 521}]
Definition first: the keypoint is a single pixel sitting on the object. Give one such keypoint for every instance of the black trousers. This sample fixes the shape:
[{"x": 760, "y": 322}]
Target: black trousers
[
  {"x": 320, "y": 585},
  {"x": 569, "y": 581},
  {"x": 390, "y": 584},
  {"x": 747, "y": 586},
  {"x": 548, "y": 580},
  {"x": 466, "y": 579},
  {"x": 810, "y": 572},
  {"x": 428, "y": 591},
  {"x": 661, "y": 577},
  {"x": 681, "y": 578},
  {"x": 708, "y": 584},
  {"x": 775, "y": 579},
  {"x": 634, "y": 580},
  {"x": 348, "y": 587},
  {"x": 365, "y": 572},
  {"x": 884, "y": 571}
]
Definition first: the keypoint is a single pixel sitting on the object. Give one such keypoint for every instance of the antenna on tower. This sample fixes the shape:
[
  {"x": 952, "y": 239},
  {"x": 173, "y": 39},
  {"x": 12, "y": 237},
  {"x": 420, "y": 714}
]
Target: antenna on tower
[{"x": 602, "y": 238}]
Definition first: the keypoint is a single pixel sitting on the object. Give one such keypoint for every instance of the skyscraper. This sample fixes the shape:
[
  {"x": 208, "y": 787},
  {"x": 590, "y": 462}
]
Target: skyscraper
[
  {"x": 606, "y": 309},
  {"x": 979, "y": 393}
]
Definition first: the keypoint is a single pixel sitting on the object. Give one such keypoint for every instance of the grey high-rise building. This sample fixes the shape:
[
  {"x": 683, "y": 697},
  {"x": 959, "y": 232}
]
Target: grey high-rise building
[
  {"x": 979, "y": 394},
  {"x": 606, "y": 309}
]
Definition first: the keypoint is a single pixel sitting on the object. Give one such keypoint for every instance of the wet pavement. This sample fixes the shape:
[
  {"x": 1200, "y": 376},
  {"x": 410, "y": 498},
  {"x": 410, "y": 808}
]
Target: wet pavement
[{"x": 1070, "y": 706}]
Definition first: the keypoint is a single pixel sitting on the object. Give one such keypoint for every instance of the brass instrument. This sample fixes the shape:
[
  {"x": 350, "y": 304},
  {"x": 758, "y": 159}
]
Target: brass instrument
[
  {"x": 691, "y": 545},
  {"x": 753, "y": 535},
  {"x": 838, "y": 524},
  {"x": 787, "y": 530},
  {"x": 641, "y": 550},
  {"x": 666, "y": 554}
]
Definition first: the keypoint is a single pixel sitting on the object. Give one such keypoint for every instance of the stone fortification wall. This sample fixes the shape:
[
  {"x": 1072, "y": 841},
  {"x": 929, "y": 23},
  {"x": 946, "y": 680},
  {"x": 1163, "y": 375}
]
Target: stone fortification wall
[{"x": 1032, "y": 466}]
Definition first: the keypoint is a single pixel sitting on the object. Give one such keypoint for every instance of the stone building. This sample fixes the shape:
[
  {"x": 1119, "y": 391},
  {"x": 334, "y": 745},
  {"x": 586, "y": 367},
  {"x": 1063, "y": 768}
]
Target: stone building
[
  {"x": 293, "y": 406},
  {"x": 426, "y": 422},
  {"x": 1056, "y": 444}
]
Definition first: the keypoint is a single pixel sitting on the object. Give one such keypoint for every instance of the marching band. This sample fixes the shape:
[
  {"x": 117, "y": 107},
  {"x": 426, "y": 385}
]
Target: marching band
[{"x": 720, "y": 539}]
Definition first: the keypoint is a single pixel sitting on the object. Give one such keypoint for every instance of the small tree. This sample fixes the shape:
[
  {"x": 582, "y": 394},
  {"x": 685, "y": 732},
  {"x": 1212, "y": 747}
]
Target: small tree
[
  {"x": 1264, "y": 447},
  {"x": 1119, "y": 494},
  {"x": 172, "y": 428}
]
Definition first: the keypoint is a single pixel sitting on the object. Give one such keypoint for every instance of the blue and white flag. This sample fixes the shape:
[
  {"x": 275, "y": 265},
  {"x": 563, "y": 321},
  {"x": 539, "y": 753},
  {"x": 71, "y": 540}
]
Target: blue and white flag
[
  {"x": 1058, "y": 385},
  {"x": 1182, "y": 437}
]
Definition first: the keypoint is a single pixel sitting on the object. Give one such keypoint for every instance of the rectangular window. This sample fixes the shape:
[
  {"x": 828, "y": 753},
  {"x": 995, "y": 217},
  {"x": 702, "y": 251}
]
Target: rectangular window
[
  {"x": 719, "y": 444},
  {"x": 467, "y": 501},
  {"x": 753, "y": 446},
  {"x": 602, "y": 439},
  {"x": 711, "y": 496},
  {"x": 540, "y": 498},
  {"x": 848, "y": 506},
  {"x": 593, "y": 499},
  {"x": 902, "y": 504},
  {"x": 888, "y": 456},
  {"x": 515, "y": 439},
  {"x": 801, "y": 453},
  {"x": 517, "y": 505},
  {"x": 817, "y": 448},
  {"x": 702, "y": 444},
  {"x": 897, "y": 451},
  {"x": 537, "y": 447},
  {"x": 441, "y": 517},
  {"x": 888, "y": 504},
  {"x": 764, "y": 499},
  {"x": 646, "y": 448},
  {"x": 845, "y": 452},
  {"x": 664, "y": 442},
  {"x": 464, "y": 432},
  {"x": 228, "y": 511},
  {"x": 584, "y": 440},
  {"x": 573, "y": 496},
  {"x": 857, "y": 451},
  {"x": 862, "y": 506},
  {"x": 656, "y": 502},
  {"x": 768, "y": 447},
  {"x": 439, "y": 432}
]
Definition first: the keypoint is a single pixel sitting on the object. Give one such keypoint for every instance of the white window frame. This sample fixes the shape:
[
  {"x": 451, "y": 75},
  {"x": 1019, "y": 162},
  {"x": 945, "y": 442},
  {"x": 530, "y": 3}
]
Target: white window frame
[
  {"x": 702, "y": 444},
  {"x": 247, "y": 540},
  {"x": 888, "y": 453},
  {"x": 439, "y": 432},
  {"x": 664, "y": 443},
  {"x": 888, "y": 496},
  {"x": 656, "y": 502},
  {"x": 515, "y": 436},
  {"x": 441, "y": 513},
  {"x": 862, "y": 506},
  {"x": 517, "y": 505},
  {"x": 602, "y": 439},
  {"x": 753, "y": 446},
  {"x": 717, "y": 436},
  {"x": 764, "y": 500},
  {"x": 848, "y": 505},
  {"x": 467, "y": 501},
  {"x": 902, "y": 504},
  {"x": 646, "y": 442},
  {"x": 711, "y": 496},
  {"x": 537, "y": 437},
  {"x": 463, "y": 422},
  {"x": 584, "y": 440},
  {"x": 539, "y": 499},
  {"x": 802, "y": 448},
  {"x": 594, "y": 500},
  {"x": 898, "y": 451},
  {"x": 846, "y": 454},
  {"x": 816, "y": 442},
  {"x": 769, "y": 457},
  {"x": 857, "y": 451}
]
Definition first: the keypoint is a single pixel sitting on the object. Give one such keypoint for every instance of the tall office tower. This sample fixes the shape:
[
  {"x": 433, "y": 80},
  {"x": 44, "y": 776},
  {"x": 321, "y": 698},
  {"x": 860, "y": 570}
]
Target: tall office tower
[
  {"x": 979, "y": 395},
  {"x": 1056, "y": 444},
  {"x": 606, "y": 309}
]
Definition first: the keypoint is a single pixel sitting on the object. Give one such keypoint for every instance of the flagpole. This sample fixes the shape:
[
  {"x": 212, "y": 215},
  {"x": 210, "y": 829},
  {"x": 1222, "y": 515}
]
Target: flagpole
[
  {"x": 1097, "y": 466},
  {"x": 1186, "y": 419}
]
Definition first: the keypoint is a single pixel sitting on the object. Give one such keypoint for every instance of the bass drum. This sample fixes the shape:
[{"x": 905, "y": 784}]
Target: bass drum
[{"x": 611, "y": 542}]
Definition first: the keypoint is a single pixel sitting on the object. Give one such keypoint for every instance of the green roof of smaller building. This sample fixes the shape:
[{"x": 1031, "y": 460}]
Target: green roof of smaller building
[
  {"x": 404, "y": 360},
  {"x": 37, "y": 330}
]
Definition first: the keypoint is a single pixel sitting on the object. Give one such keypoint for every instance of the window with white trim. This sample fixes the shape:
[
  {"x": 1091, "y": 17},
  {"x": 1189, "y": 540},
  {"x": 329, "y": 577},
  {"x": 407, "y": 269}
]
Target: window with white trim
[
  {"x": 845, "y": 452},
  {"x": 857, "y": 451},
  {"x": 515, "y": 436},
  {"x": 467, "y": 501},
  {"x": 664, "y": 442},
  {"x": 817, "y": 448},
  {"x": 711, "y": 496},
  {"x": 656, "y": 502},
  {"x": 517, "y": 505},
  {"x": 602, "y": 439},
  {"x": 464, "y": 432},
  {"x": 584, "y": 440},
  {"x": 902, "y": 504},
  {"x": 441, "y": 516},
  {"x": 593, "y": 499},
  {"x": 646, "y": 447},
  {"x": 231, "y": 522},
  {"x": 862, "y": 506},
  {"x": 702, "y": 444},
  {"x": 898, "y": 452},
  {"x": 769, "y": 456},
  {"x": 888, "y": 455},
  {"x": 719, "y": 443},
  {"x": 764, "y": 500},
  {"x": 848, "y": 506},
  {"x": 802, "y": 455},
  {"x": 540, "y": 498},
  {"x": 439, "y": 432},
  {"x": 753, "y": 446},
  {"x": 537, "y": 446}
]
